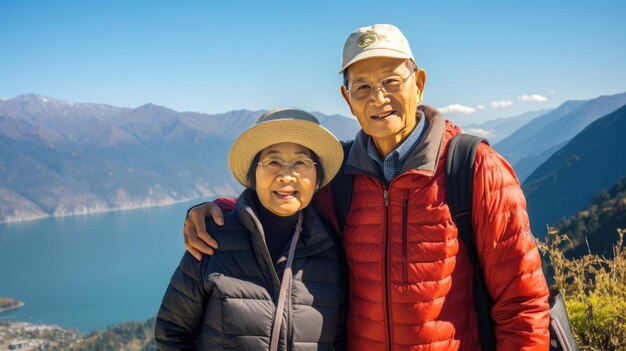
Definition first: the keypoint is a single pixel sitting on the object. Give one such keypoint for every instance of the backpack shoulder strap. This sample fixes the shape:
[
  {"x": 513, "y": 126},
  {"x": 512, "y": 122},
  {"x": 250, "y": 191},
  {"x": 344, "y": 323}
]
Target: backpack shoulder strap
[
  {"x": 460, "y": 184},
  {"x": 341, "y": 188},
  {"x": 459, "y": 190}
]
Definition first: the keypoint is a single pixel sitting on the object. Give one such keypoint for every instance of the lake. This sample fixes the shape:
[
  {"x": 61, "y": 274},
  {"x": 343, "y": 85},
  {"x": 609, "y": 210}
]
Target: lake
[{"x": 89, "y": 272}]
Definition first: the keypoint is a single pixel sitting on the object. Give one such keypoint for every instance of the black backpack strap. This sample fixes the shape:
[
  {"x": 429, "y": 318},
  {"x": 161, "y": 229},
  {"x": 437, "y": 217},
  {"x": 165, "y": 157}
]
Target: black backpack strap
[
  {"x": 341, "y": 188},
  {"x": 459, "y": 188}
]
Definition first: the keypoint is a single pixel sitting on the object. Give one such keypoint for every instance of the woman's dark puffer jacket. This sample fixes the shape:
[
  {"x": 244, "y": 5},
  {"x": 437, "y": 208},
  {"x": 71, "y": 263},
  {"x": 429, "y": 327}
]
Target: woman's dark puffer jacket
[{"x": 228, "y": 301}]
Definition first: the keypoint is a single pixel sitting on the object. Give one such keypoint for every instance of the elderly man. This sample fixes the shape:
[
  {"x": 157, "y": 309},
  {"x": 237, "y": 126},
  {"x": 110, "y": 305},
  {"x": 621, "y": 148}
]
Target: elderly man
[{"x": 411, "y": 281}]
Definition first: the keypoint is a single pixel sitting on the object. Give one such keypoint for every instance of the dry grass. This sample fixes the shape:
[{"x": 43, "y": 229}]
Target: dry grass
[{"x": 594, "y": 290}]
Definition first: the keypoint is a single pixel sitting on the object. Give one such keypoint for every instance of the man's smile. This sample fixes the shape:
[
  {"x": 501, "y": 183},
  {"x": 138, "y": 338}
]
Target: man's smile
[{"x": 382, "y": 116}]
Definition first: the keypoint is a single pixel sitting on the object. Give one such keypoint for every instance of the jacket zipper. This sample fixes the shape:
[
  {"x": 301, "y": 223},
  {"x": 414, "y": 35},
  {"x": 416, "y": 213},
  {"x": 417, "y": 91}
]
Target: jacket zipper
[
  {"x": 405, "y": 268},
  {"x": 386, "y": 272},
  {"x": 386, "y": 256}
]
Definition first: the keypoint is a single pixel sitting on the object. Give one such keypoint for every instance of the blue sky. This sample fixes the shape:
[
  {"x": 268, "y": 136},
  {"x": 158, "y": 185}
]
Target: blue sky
[{"x": 216, "y": 56}]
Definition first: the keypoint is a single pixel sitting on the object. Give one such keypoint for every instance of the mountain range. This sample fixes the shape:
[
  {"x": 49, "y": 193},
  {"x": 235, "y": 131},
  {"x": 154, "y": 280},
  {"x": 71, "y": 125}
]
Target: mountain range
[
  {"x": 62, "y": 158},
  {"x": 497, "y": 129},
  {"x": 593, "y": 161},
  {"x": 531, "y": 145}
]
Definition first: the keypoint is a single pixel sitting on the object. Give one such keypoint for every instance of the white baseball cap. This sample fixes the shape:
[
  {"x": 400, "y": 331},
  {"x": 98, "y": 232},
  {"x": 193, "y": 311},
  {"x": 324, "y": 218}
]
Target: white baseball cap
[{"x": 379, "y": 40}]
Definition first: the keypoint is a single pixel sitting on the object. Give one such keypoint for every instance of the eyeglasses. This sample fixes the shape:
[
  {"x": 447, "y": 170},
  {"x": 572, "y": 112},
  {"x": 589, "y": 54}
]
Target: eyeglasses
[
  {"x": 393, "y": 84},
  {"x": 276, "y": 165}
]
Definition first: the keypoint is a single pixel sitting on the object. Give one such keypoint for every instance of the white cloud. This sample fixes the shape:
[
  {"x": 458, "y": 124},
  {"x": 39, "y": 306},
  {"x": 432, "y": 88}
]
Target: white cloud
[
  {"x": 457, "y": 109},
  {"x": 501, "y": 103},
  {"x": 483, "y": 133},
  {"x": 532, "y": 98},
  {"x": 551, "y": 92},
  {"x": 480, "y": 107}
]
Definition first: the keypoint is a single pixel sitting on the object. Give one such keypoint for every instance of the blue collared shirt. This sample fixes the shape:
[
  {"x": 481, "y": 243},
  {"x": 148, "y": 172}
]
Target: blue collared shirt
[{"x": 392, "y": 165}]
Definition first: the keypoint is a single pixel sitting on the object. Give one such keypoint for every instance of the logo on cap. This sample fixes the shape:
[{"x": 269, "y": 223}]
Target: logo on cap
[{"x": 368, "y": 38}]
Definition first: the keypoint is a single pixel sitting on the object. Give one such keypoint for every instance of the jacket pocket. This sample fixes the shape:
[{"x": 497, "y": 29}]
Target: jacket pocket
[
  {"x": 405, "y": 261},
  {"x": 245, "y": 306}
]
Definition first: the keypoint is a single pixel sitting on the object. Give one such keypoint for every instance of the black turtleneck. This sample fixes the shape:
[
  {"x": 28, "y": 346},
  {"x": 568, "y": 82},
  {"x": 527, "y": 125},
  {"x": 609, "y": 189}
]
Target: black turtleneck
[{"x": 278, "y": 229}]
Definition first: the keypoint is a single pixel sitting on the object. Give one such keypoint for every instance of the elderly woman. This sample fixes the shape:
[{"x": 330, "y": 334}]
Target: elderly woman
[{"x": 276, "y": 281}]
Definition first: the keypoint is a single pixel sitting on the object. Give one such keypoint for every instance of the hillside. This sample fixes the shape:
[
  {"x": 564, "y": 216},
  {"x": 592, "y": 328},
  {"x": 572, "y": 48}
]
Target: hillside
[
  {"x": 130, "y": 336},
  {"x": 61, "y": 158},
  {"x": 597, "y": 224},
  {"x": 534, "y": 143},
  {"x": 591, "y": 162}
]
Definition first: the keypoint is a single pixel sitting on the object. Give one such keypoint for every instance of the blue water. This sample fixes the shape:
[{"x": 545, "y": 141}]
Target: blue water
[{"x": 89, "y": 272}]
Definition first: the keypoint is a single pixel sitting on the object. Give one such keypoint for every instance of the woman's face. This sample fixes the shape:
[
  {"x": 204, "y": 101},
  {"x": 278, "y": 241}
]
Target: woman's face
[{"x": 284, "y": 191}]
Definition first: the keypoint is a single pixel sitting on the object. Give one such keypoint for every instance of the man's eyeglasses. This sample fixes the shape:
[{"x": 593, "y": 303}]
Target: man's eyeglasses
[
  {"x": 363, "y": 90},
  {"x": 275, "y": 165}
]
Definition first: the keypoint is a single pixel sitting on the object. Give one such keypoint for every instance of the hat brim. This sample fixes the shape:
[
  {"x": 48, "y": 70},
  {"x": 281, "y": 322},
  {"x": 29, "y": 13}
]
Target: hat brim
[
  {"x": 376, "y": 53},
  {"x": 305, "y": 133}
]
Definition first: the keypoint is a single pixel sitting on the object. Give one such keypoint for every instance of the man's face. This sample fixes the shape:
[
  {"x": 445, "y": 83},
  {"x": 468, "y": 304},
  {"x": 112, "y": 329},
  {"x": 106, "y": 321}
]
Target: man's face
[{"x": 386, "y": 117}]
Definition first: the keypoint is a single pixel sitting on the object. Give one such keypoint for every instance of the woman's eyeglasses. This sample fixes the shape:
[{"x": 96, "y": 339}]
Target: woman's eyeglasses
[{"x": 276, "y": 165}]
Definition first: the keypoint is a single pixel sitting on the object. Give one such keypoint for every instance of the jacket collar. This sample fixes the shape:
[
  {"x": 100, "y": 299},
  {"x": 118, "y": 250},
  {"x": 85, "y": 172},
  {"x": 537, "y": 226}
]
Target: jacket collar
[
  {"x": 425, "y": 157},
  {"x": 314, "y": 238}
]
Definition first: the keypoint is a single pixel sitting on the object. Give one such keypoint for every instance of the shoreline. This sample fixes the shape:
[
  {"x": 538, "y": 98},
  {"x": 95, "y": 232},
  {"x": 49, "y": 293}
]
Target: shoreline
[
  {"x": 205, "y": 194},
  {"x": 99, "y": 211},
  {"x": 18, "y": 304}
]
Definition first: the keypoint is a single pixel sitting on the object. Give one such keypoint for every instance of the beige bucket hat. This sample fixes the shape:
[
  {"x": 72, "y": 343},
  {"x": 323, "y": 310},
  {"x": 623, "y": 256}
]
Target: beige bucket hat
[
  {"x": 379, "y": 40},
  {"x": 282, "y": 126}
]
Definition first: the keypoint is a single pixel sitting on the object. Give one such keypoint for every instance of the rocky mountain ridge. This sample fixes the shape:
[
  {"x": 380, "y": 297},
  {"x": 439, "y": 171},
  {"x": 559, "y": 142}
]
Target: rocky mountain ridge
[
  {"x": 61, "y": 158},
  {"x": 531, "y": 145}
]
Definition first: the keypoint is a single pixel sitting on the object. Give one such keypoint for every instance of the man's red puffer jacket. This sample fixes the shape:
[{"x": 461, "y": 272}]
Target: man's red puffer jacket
[{"x": 411, "y": 281}]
